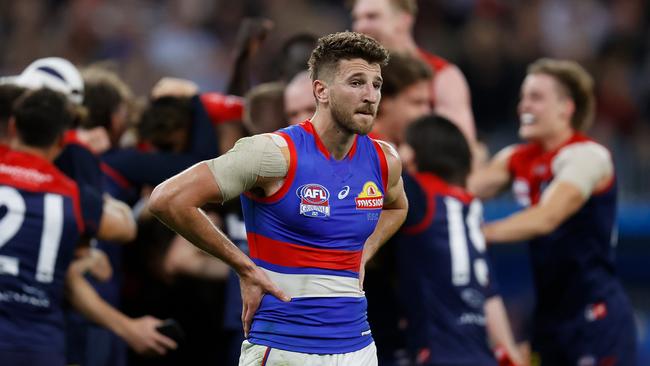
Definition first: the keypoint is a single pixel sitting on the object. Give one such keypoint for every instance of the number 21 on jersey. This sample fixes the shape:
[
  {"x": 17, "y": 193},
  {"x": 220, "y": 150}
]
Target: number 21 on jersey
[{"x": 50, "y": 239}]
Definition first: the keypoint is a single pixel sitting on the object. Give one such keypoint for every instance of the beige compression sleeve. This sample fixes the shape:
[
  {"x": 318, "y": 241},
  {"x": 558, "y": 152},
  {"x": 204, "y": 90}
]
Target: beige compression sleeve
[
  {"x": 583, "y": 165},
  {"x": 237, "y": 170}
]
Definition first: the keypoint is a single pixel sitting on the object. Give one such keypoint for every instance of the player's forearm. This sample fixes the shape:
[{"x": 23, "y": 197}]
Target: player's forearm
[
  {"x": 498, "y": 326},
  {"x": 389, "y": 222},
  {"x": 524, "y": 225},
  {"x": 486, "y": 182},
  {"x": 483, "y": 184},
  {"x": 195, "y": 226},
  {"x": 85, "y": 299}
]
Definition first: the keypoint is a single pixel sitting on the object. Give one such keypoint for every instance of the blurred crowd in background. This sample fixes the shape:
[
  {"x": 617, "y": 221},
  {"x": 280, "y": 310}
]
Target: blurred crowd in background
[{"x": 492, "y": 41}]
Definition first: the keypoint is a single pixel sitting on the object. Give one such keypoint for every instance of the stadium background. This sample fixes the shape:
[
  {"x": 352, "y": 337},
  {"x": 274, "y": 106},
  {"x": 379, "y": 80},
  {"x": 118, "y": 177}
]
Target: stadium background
[{"x": 491, "y": 40}]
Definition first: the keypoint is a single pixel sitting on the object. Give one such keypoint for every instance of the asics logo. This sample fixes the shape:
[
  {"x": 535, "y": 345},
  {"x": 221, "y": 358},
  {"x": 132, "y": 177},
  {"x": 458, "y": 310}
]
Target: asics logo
[{"x": 344, "y": 192}]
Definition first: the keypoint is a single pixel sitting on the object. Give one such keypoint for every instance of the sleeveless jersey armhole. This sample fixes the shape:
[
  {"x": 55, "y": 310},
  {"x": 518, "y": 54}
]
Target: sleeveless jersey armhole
[
  {"x": 288, "y": 181},
  {"x": 383, "y": 165}
]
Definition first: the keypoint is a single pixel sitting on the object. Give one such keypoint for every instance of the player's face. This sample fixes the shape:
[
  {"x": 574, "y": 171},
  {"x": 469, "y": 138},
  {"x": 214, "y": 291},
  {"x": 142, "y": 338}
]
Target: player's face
[
  {"x": 543, "y": 109},
  {"x": 299, "y": 102},
  {"x": 403, "y": 109},
  {"x": 354, "y": 95},
  {"x": 375, "y": 18}
]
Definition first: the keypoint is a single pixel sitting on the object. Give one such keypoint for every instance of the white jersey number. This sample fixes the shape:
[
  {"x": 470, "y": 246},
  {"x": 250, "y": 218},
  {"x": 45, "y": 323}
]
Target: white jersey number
[
  {"x": 460, "y": 259},
  {"x": 50, "y": 237}
]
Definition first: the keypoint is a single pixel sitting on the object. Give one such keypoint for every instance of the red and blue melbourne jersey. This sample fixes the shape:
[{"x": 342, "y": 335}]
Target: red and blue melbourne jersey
[
  {"x": 40, "y": 224},
  {"x": 574, "y": 265},
  {"x": 309, "y": 237},
  {"x": 444, "y": 273}
]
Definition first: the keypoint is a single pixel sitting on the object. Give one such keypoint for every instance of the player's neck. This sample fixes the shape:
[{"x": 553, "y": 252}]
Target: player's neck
[
  {"x": 337, "y": 141},
  {"x": 48, "y": 154},
  {"x": 556, "y": 140}
]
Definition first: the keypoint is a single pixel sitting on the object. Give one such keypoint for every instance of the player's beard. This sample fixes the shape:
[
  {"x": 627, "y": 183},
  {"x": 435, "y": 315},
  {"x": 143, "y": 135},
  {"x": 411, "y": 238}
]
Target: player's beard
[{"x": 345, "y": 118}]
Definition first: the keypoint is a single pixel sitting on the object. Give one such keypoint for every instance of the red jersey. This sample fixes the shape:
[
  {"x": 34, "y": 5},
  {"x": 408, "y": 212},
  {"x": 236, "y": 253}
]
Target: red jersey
[
  {"x": 223, "y": 108},
  {"x": 437, "y": 64}
]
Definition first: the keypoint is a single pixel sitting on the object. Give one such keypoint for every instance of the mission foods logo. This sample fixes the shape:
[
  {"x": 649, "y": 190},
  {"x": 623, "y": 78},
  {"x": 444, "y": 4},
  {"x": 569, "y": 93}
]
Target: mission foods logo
[
  {"x": 370, "y": 197},
  {"x": 314, "y": 200}
]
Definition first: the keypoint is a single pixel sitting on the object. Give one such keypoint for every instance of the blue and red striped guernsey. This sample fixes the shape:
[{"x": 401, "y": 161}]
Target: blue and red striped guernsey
[{"x": 309, "y": 237}]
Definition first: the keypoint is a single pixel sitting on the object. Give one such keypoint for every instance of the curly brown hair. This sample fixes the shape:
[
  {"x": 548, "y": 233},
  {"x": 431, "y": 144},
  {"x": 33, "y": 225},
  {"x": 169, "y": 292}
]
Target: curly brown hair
[
  {"x": 575, "y": 82},
  {"x": 334, "y": 47}
]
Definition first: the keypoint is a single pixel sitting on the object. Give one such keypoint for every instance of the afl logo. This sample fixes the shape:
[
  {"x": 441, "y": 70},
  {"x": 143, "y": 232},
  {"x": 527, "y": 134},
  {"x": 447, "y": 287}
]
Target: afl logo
[{"x": 314, "y": 200}]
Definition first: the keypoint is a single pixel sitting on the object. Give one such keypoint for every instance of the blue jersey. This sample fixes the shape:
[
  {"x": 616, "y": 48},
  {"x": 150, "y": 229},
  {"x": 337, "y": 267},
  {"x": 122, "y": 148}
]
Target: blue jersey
[
  {"x": 308, "y": 237},
  {"x": 78, "y": 163},
  {"x": 40, "y": 223},
  {"x": 444, "y": 274}
]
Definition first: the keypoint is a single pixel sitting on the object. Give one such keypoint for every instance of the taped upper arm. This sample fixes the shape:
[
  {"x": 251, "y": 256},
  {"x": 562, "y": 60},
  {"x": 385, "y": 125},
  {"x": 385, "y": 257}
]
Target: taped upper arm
[
  {"x": 252, "y": 158},
  {"x": 584, "y": 165}
]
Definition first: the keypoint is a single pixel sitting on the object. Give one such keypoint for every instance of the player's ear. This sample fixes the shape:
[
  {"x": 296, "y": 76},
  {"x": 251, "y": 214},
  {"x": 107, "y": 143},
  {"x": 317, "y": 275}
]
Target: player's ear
[
  {"x": 568, "y": 109},
  {"x": 321, "y": 91}
]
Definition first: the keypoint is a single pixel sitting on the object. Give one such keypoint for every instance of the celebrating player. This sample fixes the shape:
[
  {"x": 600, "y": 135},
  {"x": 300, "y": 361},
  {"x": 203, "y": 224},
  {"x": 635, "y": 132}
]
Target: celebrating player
[{"x": 568, "y": 185}]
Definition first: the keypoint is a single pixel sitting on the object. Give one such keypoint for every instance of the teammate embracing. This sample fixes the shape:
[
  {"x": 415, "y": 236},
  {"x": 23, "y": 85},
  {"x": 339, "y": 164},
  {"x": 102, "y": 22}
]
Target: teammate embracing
[{"x": 567, "y": 183}]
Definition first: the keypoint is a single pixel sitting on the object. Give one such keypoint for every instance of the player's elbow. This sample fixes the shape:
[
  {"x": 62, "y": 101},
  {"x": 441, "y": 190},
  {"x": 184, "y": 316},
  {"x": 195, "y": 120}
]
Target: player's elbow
[
  {"x": 163, "y": 200},
  {"x": 160, "y": 201}
]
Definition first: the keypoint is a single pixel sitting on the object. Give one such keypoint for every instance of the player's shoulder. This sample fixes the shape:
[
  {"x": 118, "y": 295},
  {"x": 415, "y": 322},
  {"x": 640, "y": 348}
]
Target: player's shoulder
[
  {"x": 584, "y": 150},
  {"x": 392, "y": 158},
  {"x": 388, "y": 149},
  {"x": 584, "y": 144},
  {"x": 260, "y": 141},
  {"x": 35, "y": 174}
]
